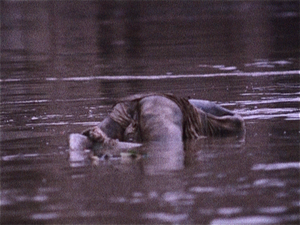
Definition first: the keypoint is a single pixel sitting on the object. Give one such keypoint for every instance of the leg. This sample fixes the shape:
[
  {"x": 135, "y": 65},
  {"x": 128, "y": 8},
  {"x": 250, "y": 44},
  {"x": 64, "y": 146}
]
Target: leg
[
  {"x": 210, "y": 107},
  {"x": 160, "y": 119},
  {"x": 225, "y": 125},
  {"x": 218, "y": 121}
]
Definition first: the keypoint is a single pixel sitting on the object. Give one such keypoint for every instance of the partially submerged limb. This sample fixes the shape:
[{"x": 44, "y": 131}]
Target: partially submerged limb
[
  {"x": 157, "y": 117},
  {"x": 98, "y": 142}
]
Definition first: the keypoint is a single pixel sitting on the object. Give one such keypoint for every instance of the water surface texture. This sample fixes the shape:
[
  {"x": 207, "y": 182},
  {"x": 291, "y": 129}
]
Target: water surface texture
[{"x": 63, "y": 65}]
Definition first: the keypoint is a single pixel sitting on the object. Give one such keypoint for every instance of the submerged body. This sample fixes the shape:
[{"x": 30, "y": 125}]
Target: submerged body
[{"x": 161, "y": 118}]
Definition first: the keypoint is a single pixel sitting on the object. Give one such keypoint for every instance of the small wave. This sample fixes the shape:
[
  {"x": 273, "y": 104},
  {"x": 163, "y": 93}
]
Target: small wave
[
  {"x": 286, "y": 116},
  {"x": 166, "y": 217},
  {"x": 247, "y": 220},
  {"x": 159, "y": 77},
  {"x": 270, "y": 101},
  {"x": 268, "y": 183},
  {"x": 26, "y": 102},
  {"x": 169, "y": 76},
  {"x": 277, "y": 166},
  {"x": 44, "y": 216},
  {"x": 273, "y": 209},
  {"x": 62, "y": 123},
  {"x": 19, "y": 156},
  {"x": 203, "y": 189},
  {"x": 229, "y": 211}
]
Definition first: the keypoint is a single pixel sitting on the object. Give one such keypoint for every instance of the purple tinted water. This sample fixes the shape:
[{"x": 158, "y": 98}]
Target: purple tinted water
[{"x": 63, "y": 65}]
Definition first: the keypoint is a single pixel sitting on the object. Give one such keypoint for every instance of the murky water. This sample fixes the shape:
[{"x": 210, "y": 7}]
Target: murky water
[{"x": 64, "y": 64}]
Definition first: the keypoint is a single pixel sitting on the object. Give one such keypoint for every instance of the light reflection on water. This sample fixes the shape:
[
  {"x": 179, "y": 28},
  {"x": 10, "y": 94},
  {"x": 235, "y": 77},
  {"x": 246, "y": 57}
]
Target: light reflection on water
[
  {"x": 216, "y": 181},
  {"x": 276, "y": 166}
]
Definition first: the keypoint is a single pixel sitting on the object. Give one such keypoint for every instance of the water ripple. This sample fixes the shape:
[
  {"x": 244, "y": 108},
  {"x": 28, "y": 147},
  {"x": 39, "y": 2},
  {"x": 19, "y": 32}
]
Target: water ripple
[
  {"x": 158, "y": 77},
  {"x": 277, "y": 166}
]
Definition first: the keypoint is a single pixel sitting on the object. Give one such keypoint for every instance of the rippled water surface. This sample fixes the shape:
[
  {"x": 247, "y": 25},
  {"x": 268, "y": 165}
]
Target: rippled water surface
[{"x": 64, "y": 64}]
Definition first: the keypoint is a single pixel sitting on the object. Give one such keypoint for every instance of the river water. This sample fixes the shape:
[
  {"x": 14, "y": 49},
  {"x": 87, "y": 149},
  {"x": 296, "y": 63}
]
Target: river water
[{"x": 63, "y": 65}]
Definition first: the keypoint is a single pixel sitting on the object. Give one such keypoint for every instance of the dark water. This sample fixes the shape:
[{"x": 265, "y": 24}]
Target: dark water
[{"x": 63, "y": 64}]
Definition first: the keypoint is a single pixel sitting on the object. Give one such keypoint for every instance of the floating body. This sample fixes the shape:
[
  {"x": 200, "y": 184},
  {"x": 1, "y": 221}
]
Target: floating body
[{"x": 158, "y": 118}]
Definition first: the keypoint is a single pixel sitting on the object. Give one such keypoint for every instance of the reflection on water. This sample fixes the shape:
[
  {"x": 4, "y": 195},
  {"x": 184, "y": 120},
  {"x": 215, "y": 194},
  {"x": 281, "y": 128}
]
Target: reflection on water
[
  {"x": 63, "y": 65},
  {"x": 276, "y": 166},
  {"x": 123, "y": 38}
]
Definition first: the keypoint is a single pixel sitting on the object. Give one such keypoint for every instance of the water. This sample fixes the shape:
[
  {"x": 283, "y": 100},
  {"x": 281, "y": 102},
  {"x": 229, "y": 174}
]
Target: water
[{"x": 64, "y": 64}]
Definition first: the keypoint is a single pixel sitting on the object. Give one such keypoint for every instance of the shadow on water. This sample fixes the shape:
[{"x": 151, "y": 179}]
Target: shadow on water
[{"x": 63, "y": 65}]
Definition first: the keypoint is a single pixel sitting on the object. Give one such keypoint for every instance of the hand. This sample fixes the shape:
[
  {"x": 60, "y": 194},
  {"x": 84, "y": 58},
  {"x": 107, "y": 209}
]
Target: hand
[{"x": 96, "y": 134}]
